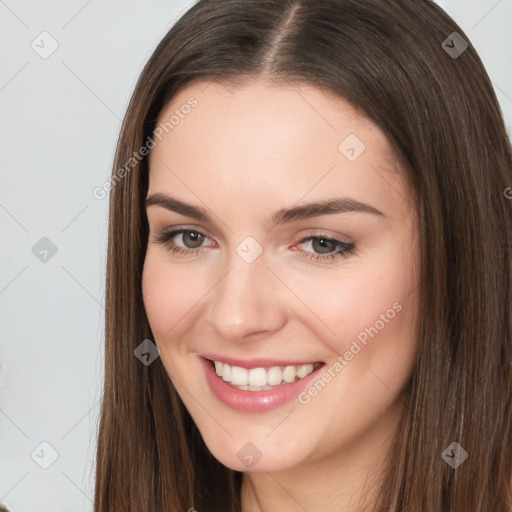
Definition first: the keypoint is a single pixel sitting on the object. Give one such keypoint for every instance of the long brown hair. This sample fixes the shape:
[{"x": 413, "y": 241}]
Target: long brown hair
[{"x": 397, "y": 62}]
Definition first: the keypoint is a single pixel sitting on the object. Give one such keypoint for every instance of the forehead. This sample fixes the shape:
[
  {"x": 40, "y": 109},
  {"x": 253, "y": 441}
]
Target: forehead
[{"x": 264, "y": 139}]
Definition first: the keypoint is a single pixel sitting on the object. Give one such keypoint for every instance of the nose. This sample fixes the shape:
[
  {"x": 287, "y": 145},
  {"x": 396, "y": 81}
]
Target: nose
[{"x": 246, "y": 302}]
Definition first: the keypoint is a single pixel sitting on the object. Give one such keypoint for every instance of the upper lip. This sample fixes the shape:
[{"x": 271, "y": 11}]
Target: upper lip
[{"x": 257, "y": 362}]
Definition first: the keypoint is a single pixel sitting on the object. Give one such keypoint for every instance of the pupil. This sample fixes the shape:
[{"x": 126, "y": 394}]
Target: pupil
[
  {"x": 196, "y": 239},
  {"x": 323, "y": 248}
]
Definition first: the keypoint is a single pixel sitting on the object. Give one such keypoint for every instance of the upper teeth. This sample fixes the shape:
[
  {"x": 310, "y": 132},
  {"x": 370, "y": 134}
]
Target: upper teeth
[{"x": 261, "y": 377}]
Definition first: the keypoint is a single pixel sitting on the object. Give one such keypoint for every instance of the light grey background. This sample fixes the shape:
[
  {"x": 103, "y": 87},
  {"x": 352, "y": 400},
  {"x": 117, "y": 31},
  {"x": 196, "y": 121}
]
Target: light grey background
[{"x": 60, "y": 117}]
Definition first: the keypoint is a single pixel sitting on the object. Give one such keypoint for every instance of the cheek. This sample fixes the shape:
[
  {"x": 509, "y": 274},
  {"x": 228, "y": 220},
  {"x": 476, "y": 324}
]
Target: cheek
[
  {"x": 369, "y": 310},
  {"x": 169, "y": 295}
]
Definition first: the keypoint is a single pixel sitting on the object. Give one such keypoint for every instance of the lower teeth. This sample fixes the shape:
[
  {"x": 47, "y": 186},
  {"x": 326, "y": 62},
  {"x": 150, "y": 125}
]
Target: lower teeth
[
  {"x": 259, "y": 388},
  {"x": 253, "y": 388}
]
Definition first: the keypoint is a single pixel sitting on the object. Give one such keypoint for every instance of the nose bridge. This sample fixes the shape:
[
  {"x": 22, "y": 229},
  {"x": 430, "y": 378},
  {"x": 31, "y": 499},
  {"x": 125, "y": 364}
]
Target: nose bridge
[{"x": 242, "y": 302}]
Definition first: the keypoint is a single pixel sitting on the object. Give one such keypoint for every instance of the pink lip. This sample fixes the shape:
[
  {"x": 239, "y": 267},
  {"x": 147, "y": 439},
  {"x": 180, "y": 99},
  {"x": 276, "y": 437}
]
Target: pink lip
[
  {"x": 254, "y": 363},
  {"x": 254, "y": 401}
]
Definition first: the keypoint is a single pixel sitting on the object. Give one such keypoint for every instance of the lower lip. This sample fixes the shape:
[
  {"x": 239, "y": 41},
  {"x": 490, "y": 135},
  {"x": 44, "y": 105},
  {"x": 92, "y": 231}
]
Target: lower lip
[{"x": 254, "y": 401}]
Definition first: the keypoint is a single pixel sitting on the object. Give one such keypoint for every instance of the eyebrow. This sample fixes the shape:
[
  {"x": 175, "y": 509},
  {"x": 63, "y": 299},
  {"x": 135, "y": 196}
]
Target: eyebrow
[{"x": 282, "y": 216}]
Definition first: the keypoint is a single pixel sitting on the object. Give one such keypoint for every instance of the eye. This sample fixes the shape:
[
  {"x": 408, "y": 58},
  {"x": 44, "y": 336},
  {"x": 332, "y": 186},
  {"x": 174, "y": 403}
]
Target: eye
[
  {"x": 326, "y": 247},
  {"x": 191, "y": 240}
]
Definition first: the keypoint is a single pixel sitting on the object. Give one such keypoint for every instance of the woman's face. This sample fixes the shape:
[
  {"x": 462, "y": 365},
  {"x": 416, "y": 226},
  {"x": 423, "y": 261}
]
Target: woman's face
[{"x": 294, "y": 259}]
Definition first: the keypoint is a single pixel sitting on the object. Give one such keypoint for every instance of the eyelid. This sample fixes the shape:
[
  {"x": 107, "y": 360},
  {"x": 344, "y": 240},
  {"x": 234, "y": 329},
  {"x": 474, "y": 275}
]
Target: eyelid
[
  {"x": 319, "y": 233},
  {"x": 304, "y": 235},
  {"x": 180, "y": 228}
]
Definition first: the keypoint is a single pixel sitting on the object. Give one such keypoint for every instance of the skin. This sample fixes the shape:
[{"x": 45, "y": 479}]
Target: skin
[{"x": 243, "y": 153}]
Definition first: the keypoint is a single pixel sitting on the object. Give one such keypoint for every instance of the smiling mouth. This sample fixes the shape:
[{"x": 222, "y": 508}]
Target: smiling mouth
[{"x": 263, "y": 378}]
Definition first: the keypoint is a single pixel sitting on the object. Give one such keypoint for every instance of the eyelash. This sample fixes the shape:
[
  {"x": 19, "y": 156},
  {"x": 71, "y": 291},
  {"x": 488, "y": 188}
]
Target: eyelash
[{"x": 346, "y": 248}]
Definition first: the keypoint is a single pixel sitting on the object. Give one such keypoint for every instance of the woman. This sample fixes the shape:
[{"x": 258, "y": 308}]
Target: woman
[{"x": 309, "y": 267}]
